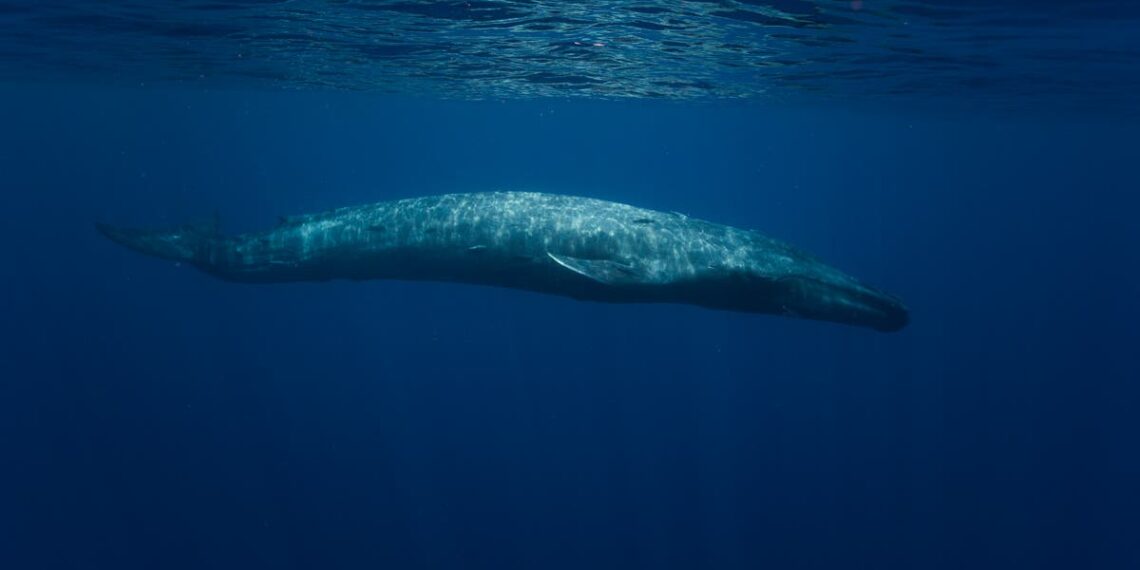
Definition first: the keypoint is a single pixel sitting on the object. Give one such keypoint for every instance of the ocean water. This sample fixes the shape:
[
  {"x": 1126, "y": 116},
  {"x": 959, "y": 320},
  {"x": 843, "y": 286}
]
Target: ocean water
[{"x": 978, "y": 159}]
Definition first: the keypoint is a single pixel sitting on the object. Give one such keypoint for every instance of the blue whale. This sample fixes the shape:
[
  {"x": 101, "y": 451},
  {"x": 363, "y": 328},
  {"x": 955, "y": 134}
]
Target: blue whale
[{"x": 564, "y": 245}]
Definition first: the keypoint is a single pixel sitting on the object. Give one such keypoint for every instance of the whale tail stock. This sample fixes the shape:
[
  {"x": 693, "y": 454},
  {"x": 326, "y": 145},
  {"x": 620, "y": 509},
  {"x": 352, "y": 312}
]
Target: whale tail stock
[{"x": 193, "y": 243}]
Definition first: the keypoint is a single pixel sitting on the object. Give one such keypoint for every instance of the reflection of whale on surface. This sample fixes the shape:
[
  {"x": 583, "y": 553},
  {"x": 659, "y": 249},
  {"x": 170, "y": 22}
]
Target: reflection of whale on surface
[{"x": 577, "y": 247}]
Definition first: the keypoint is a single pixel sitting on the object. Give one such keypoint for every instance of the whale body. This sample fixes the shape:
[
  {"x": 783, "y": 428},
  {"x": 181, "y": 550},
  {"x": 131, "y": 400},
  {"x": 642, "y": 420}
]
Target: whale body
[{"x": 577, "y": 247}]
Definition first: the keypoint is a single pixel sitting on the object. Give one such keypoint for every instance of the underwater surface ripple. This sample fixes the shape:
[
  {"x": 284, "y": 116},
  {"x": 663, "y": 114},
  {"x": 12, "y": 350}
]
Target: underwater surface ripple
[{"x": 997, "y": 53}]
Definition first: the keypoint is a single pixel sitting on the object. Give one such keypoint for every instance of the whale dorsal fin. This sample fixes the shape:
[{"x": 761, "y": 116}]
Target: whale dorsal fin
[{"x": 604, "y": 271}]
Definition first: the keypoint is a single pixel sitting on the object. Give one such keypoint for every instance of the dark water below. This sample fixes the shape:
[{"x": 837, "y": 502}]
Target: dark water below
[{"x": 979, "y": 161}]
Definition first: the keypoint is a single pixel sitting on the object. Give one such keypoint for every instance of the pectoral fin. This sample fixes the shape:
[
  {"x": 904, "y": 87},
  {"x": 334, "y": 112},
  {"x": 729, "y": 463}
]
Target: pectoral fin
[{"x": 604, "y": 271}]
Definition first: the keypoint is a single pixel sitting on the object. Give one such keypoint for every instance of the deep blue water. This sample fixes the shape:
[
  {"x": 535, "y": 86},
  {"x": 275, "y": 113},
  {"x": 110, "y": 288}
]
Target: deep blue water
[{"x": 154, "y": 417}]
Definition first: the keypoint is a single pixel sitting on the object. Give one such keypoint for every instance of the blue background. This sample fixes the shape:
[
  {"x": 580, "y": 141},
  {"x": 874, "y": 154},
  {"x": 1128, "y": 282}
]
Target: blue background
[{"x": 154, "y": 417}]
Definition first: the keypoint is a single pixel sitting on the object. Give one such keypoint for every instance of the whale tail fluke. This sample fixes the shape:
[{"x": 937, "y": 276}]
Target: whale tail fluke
[{"x": 194, "y": 243}]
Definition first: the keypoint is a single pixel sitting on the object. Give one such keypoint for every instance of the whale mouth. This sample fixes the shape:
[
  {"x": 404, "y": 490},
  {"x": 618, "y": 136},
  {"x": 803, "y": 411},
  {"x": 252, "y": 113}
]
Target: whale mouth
[
  {"x": 880, "y": 311},
  {"x": 851, "y": 303}
]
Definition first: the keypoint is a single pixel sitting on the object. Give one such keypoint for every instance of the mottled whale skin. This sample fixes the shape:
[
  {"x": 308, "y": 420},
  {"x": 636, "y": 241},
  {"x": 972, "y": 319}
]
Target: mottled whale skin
[{"x": 564, "y": 245}]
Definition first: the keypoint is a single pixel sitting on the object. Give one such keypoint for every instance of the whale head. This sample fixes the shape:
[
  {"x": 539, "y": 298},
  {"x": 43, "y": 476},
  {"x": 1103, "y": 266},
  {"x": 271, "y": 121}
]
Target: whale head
[
  {"x": 797, "y": 284},
  {"x": 779, "y": 279},
  {"x": 846, "y": 301}
]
